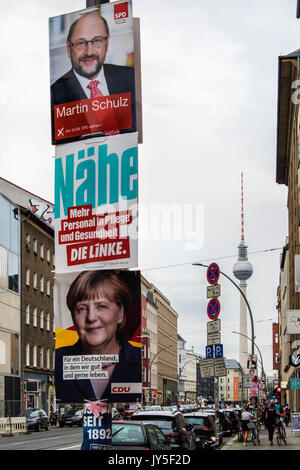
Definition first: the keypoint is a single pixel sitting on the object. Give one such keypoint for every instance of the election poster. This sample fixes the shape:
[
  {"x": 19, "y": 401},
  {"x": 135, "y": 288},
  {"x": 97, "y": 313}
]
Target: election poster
[
  {"x": 98, "y": 336},
  {"x": 96, "y": 204},
  {"x": 94, "y": 78}
]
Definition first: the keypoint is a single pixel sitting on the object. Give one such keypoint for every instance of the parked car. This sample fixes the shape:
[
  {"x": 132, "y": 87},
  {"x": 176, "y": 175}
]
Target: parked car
[
  {"x": 36, "y": 419},
  {"x": 207, "y": 429},
  {"x": 73, "y": 417},
  {"x": 135, "y": 435},
  {"x": 174, "y": 426},
  {"x": 130, "y": 409},
  {"x": 225, "y": 422},
  {"x": 152, "y": 408}
]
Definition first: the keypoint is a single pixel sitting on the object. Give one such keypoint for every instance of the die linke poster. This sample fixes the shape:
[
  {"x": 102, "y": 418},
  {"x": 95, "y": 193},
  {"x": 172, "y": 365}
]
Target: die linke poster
[
  {"x": 96, "y": 204},
  {"x": 92, "y": 72}
]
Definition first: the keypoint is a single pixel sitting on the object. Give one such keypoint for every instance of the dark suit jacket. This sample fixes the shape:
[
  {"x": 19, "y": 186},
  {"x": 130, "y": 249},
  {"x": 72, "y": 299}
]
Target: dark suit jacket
[
  {"x": 127, "y": 370},
  {"x": 119, "y": 79}
]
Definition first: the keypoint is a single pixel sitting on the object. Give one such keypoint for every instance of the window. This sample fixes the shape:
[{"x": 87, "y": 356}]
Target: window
[
  {"x": 27, "y": 354},
  {"x": 42, "y": 319},
  {"x": 48, "y": 255},
  {"x": 34, "y": 316},
  {"x": 48, "y": 322},
  {"x": 35, "y": 280},
  {"x": 35, "y": 246},
  {"x": 48, "y": 288},
  {"x": 27, "y": 314},
  {"x": 27, "y": 241},
  {"x": 42, "y": 284},
  {"x": 42, "y": 251},
  {"x": 27, "y": 277},
  {"x": 41, "y": 357},
  {"x": 48, "y": 358},
  {"x": 34, "y": 356},
  {"x": 276, "y": 338}
]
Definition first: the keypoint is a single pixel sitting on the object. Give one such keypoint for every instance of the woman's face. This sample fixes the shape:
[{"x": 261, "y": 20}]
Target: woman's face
[{"x": 96, "y": 321}]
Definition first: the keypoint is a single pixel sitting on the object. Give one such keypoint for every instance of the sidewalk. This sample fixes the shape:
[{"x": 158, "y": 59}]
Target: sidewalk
[{"x": 293, "y": 442}]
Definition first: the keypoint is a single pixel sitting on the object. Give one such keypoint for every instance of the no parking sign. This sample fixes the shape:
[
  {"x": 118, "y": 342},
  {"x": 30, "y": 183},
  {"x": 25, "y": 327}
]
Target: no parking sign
[
  {"x": 213, "y": 309},
  {"x": 213, "y": 273}
]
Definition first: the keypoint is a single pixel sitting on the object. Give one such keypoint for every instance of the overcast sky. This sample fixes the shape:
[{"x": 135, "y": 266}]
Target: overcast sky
[{"x": 209, "y": 83}]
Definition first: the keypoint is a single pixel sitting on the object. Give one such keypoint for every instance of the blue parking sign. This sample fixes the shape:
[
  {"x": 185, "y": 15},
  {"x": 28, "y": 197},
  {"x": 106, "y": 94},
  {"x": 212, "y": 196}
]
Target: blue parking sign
[
  {"x": 218, "y": 350},
  {"x": 209, "y": 352}
]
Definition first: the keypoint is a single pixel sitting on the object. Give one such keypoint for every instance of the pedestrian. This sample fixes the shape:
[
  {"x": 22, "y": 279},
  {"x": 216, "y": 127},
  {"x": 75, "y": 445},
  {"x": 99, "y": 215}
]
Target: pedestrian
[
  {"x": 246, "y": 417},
  {"x": 271, "y": 421}
]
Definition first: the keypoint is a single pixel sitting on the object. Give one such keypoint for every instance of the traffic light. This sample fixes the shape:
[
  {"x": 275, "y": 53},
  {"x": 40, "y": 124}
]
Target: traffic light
[{"x": 278, "y": 389}]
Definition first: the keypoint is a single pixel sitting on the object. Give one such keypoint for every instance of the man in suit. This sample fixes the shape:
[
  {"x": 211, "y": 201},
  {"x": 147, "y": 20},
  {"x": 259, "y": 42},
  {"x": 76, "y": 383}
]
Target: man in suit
[{"x": 87, "y": 45}]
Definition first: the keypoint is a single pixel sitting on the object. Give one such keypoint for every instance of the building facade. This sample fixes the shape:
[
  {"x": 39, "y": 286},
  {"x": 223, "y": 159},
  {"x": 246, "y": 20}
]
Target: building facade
[
  {"x": 149, "y": 342},
  {"x": 231, "y": 386},
  {"x": 287, "y": 173},
  {"x": 26, "y": 308},
  {"x": 166, "y": 349}
]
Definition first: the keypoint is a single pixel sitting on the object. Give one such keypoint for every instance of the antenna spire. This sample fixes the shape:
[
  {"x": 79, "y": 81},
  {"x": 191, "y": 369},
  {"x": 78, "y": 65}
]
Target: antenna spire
[{"x": 242, "y": 208}]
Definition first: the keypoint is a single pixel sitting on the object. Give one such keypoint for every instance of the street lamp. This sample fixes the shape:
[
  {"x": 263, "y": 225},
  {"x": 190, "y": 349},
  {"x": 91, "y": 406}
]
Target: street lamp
[
  {"x": 181, "y": 369},
  {"x": 261, "y": 360},
  {"x": 150, "y": 370},
  {"x": 245, "y": 298}
]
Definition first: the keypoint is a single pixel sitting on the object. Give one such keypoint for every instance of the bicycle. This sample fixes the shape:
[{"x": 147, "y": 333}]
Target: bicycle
[
  {"x": 280, "y": 433},
  {"x": 254, "y": 433}
]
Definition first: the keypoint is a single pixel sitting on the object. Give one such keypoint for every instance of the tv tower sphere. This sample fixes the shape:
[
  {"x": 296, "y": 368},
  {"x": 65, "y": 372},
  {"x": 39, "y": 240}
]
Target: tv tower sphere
[{"x": 242, "y": 269}]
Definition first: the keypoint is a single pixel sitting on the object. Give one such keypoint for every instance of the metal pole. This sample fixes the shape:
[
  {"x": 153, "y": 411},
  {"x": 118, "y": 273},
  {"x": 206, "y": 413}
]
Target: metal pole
[
  {"x": 298, "y": 9},
  {"x": 249, "y": 309}
]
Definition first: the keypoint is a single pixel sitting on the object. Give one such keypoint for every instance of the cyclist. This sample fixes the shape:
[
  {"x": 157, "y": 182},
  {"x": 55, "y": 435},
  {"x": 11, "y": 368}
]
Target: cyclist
[{"x": 272, "y": 421}]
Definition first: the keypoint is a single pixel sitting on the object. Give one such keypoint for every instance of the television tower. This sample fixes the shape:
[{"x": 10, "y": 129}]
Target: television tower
[{"x": 243, "y": 270}]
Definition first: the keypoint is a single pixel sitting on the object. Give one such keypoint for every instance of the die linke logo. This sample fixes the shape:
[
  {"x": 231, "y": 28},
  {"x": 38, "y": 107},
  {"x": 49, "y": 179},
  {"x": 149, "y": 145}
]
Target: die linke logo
[{"x": 121, "y": 11}]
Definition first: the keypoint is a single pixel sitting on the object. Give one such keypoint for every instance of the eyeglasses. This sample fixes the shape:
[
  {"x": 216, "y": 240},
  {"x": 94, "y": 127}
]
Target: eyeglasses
[{"x": 96, "y": 43}]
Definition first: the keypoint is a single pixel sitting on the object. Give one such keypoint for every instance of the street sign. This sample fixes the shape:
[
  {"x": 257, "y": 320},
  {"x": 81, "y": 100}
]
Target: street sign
[
  {"x": 213, "y": 309},
  {"x": 209, "y": 352},
  {"x": 213, "y": 338},
  {"x": 213, "y": 273},
  {"x": 218, "y": 350},
  {"x": 295, "y": 358},
  {"x": 219, "y": 368},
  {"x": 213, "y": 326},
  {"x": 206, "y": 368},
  {"x": 213, "y": 291}
]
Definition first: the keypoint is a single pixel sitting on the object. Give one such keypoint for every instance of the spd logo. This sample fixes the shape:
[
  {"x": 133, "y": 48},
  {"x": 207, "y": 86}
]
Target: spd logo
[{"x": 121, "y": 11}]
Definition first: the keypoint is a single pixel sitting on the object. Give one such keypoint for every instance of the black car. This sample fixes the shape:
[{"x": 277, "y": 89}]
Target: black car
[
  {"x": 73, "y": 417},
  {"x": 36, "y": 420},
  {"x": 207, "y": 429},
  {"x": 177, "y": 431},
  {"x": 137, "y": 435}
]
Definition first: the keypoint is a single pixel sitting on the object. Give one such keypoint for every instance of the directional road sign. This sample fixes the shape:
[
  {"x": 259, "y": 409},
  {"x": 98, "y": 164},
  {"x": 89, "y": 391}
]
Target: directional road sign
[
  {"x": 213, "y": 273},
  {"x": 213, "y": 309},
  {"x": 214, "y": 338},
  {"x": 213, "y": 326},
  {"x": 213, "y": 291}
]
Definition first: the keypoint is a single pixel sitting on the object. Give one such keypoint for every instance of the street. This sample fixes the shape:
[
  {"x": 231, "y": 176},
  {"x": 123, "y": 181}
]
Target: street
[{"x": 55, "y": 439}]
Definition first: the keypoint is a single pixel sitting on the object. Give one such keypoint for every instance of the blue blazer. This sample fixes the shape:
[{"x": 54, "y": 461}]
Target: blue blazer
[
  {"x": 119, "y": 79},
  {"x": 127, "y": 370}
]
